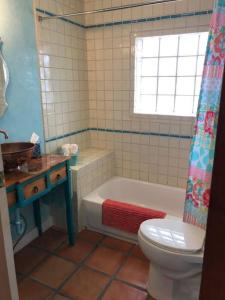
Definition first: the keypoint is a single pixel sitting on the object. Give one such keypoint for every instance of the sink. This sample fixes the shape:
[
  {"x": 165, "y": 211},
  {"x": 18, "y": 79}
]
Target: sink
[{"x": 16, "y": 154}]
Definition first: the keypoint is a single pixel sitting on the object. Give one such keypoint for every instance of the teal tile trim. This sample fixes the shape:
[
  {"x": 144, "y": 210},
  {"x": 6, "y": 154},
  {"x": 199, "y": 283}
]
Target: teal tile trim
[
  {"x": 149, "y": 133},
  {"x": 48, "y": 13},
  {"x": 59, "y": 137},
  {"x": 178, "y": 136},
  {"x": 133, "y": 21},
  {"x": 152, "y": 19}
]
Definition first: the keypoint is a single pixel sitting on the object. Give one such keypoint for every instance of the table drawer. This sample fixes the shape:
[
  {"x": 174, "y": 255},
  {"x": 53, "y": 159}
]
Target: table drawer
[
  {"x": 34, "y": 188},
  {"x": 11, "y": 197},
  {"x": 57, "y": 175}
]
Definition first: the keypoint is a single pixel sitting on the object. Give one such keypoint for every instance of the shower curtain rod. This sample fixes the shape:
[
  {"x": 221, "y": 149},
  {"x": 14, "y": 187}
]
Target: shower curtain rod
[{"x": 109, "y": 9}]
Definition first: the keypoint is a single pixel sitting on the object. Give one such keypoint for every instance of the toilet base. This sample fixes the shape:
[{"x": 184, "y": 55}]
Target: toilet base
[{"x": 161, "y": 287}]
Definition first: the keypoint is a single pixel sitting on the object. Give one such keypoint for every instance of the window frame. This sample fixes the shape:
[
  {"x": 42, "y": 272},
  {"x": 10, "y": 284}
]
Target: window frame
[{"x": 156, "y": 33}]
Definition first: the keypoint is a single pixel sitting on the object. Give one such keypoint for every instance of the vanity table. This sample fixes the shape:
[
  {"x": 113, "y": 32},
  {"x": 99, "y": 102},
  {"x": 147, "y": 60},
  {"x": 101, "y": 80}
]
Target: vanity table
[{"x": 40, "y": 176}]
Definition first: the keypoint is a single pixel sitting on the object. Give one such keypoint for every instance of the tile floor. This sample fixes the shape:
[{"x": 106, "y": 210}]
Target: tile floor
[{"x": 97, "y": 267}]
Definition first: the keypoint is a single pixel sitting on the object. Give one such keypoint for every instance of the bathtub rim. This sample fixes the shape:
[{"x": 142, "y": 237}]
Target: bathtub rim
[{"x": 90, "y": 196}]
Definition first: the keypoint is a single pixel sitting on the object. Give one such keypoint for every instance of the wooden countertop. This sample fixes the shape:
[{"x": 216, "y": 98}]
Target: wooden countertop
[{"x": 35, "y": 167}]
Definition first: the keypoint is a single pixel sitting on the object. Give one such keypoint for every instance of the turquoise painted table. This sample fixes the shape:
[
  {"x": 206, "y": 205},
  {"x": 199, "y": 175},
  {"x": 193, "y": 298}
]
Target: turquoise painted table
[{"x": 27, "y": 187}]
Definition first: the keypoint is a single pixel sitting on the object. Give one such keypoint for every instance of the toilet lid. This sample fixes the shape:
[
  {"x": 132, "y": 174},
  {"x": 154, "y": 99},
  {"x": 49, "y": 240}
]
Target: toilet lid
[{"x": 173, "y": 235}]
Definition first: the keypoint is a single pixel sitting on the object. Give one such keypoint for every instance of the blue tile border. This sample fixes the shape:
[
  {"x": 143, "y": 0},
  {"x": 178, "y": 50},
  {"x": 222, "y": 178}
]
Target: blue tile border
[
  {"x": 141, "y": 133},
  {"x": 178, "y": 136},
  {"x": 50, "y": 14},
  {"x": 133, "y": 21},
  {"x": 151, "y": 19},
  {"x": 62, "y": 136}
]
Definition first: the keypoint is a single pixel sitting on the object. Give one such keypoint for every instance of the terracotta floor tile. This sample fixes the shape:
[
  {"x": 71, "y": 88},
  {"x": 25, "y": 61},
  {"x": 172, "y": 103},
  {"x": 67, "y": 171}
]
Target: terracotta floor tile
[
  {"x": 135, "y": 271},
  {"x": 136, "y": 251},
  {"x": 50, "y": 240},
  {"x": 117, "y": 244},
  {"x": 106, "y": 260},
  {"x": 78, "y": 252},
  {"x": 28, "y": 258},
  {"x": 29, "y": 289},
  {"x": 86, "y": 284},
  {"x": 53, "y": 271},
  {"x": 120, "y": 291},
  {"x": 90, "y": 236}
]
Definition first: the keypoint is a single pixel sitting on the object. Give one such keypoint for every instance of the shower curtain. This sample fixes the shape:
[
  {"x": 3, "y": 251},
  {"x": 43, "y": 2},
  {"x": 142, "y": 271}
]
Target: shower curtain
[{"x": 203, "y": 143}]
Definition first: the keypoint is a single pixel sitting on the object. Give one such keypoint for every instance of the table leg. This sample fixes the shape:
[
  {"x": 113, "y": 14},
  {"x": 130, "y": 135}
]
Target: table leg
[
  {"x": 69, "y": 209},
  {"x": 37, "y": 216}
]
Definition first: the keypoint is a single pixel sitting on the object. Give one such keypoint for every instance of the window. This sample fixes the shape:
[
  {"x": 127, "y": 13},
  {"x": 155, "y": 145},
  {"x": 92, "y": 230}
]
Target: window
[{"x": 168, "y": 73}]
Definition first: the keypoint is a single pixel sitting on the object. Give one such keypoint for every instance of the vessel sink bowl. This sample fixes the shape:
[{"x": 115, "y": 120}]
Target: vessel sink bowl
[{"x": 16, "y": 154}]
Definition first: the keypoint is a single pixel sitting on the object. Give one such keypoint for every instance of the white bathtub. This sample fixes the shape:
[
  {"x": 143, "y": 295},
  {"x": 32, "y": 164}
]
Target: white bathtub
[{"x": 155, "y": 196}]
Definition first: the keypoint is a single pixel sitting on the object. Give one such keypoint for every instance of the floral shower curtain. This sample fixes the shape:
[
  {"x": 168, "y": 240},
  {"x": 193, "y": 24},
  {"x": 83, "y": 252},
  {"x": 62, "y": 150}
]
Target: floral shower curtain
[{"x": 203, "y": 144}]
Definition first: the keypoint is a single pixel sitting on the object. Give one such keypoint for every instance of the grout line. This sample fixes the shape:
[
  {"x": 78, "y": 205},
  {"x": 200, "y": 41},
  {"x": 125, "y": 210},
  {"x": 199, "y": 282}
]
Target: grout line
[
  {"x": 28, "y": 274},
  {"x": 131, "y": 284},
  {"x": 151, "y": 19},
  {"x": 66, "y": 135},
  {"x": 47, "y": 250},
  {"x": 56, "y": 290},
  {"x": 79, "y": 265},
  {"x": 131, "y": 21},
  {"x": 113, "y": 277},
  {"x": 42, "y": 283},
  {"x": 59, "y": 289},
  {"x": 48, "y": 13},
  {"x": 60, "y": 294}
]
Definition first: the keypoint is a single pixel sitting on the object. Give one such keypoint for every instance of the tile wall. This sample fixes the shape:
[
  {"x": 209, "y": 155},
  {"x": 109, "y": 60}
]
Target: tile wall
[
  {"x": 161, "y": 157},
  {"x": 95, "y": 167},
  {"x": 63, "y": 71},
  {"x": 87, "y": 83}
]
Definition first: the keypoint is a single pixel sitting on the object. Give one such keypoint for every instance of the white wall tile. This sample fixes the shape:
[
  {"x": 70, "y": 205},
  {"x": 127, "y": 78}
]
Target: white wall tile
[{"x": 86, "y": 78}]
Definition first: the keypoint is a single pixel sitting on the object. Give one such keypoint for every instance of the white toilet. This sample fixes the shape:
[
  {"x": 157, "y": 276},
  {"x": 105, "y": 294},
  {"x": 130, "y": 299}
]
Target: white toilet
[{"x": 175, "y": 251}]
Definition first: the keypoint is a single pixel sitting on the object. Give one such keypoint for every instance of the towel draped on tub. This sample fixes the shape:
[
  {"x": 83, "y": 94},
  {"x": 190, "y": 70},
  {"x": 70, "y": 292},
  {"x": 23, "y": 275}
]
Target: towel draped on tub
[{"x": 127, "y": 217}]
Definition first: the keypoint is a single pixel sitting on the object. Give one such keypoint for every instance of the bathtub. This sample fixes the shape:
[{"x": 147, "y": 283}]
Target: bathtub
[{"x": 155, "y": 196}]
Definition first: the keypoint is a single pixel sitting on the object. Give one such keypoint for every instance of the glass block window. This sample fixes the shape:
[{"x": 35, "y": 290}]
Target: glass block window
[{"x": 168, "y": 73}]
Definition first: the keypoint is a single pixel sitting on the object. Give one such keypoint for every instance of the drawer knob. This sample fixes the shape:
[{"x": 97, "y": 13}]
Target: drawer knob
[
  {"x": 58, "y": 176},
  {"x": 35, "y": 189}
]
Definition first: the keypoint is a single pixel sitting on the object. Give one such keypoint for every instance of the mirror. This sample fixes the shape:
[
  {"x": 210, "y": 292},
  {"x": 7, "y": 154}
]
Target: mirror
[{"x": 4, "y": 80}]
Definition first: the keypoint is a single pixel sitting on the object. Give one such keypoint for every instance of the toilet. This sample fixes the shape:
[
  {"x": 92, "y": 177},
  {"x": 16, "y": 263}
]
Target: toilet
[{"x": 175, "y": 250}]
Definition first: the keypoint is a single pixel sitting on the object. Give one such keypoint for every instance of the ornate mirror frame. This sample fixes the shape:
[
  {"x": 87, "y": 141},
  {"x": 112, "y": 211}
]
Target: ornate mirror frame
[{"x": 4, "y": 76}]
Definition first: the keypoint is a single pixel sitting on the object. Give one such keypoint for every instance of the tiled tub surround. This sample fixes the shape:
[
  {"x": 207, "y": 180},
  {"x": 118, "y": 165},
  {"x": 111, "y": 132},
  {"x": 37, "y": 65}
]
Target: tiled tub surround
[
  {"x": 107, "y": 57},
  {"x": 158, "y": 159},
  {"x": 95, "y": 166},
  {"x": 63, "y": 71},
  {"x": 155, "y": 159}
]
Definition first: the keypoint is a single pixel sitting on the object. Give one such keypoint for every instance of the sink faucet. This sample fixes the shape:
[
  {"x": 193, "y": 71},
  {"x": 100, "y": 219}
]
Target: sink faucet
[{"x": 5, "y": 134}]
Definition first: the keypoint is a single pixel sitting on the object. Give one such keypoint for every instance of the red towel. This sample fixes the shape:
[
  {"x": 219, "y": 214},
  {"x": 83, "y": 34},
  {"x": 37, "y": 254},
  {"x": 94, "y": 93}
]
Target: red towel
[{"x": 127, "y": 217}]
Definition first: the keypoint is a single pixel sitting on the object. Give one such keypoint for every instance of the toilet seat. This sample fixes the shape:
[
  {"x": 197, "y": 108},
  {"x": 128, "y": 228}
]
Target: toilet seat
[{"x": 173, "y": 235}]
